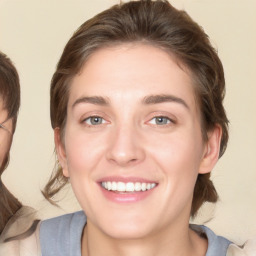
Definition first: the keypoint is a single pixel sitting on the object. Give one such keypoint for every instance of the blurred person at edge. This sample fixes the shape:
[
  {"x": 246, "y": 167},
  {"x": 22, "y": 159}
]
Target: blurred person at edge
[{"x": 17, "y": 222}]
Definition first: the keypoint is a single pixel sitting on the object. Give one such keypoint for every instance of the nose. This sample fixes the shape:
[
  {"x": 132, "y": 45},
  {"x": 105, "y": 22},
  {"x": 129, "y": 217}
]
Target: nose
[{"x": 125, "y": 147}]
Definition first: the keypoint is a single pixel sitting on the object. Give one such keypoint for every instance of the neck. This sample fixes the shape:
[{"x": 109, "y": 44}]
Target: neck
[{"x": 179, "y": 242}]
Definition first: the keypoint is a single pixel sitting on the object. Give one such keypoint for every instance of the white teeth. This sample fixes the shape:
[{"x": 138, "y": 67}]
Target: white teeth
[
  {"x": 113, "y": 186},
  {"x": 152, "y": 185},
  {"x": 127, "y": 187},
  {"x": 109, "y": 185},
  {"x": 121, "y": 187},
  {"x": 137, "y": 186}
]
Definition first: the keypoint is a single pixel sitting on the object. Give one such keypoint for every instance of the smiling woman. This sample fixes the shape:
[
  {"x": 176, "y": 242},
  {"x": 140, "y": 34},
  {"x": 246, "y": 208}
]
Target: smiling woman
[
  {"x": 127, "y": 144},
  {"x": 138, "y": 119}
]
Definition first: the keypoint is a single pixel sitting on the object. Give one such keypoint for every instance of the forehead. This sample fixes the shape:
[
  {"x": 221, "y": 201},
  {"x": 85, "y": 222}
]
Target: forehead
[{"x": 132, "y": 69}]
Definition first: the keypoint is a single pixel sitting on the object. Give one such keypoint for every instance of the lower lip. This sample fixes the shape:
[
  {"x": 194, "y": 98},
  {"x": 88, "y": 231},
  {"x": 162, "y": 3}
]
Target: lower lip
[{"x": 126, "y": 197}]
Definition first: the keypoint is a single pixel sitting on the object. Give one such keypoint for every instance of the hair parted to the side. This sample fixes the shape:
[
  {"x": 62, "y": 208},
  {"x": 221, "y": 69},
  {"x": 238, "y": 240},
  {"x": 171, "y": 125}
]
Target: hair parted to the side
[
  {"x": 10, "y": 96},
  {"x": 150, "y": 22}
]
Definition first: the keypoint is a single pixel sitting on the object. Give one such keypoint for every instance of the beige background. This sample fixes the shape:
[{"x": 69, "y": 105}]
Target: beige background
[{"x": 34, "y": 32}]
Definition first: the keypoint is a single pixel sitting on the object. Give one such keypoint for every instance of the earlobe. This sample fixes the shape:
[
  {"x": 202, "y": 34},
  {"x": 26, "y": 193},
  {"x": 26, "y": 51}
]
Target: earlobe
[
  {"x": 60, "y": 151},
  {"x": 212, "y": 149}
]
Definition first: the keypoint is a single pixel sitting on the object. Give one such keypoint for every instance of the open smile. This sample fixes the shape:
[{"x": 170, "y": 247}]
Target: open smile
[{"x": 127, "y": 186}]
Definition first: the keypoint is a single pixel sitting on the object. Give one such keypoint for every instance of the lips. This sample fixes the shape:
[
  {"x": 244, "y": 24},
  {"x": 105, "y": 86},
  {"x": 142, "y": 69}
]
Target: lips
[
  {"x": 119, "y": 186},
  {"x": 126, "y": 189}
]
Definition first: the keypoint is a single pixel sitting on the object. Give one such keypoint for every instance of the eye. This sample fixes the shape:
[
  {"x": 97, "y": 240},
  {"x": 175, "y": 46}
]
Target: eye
[
  {"x": 94, "y": 120},
  {"x": 160, "y": 120}
]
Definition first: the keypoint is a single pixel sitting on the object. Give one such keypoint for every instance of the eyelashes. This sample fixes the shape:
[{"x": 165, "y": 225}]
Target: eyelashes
[
  {"x": 94, "y": 120},
  {"x": 157, "y": 121},
  {"x": 161, "y": 120}
]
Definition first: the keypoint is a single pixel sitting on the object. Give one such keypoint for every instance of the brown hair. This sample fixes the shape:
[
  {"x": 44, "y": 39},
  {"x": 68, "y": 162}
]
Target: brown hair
[
  {"x": 157, "y": 23},
  {"x": 10, "y": 95}
]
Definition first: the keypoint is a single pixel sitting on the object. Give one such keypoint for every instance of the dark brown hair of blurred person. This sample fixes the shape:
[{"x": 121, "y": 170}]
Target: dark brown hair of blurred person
[{"x": 10, "y": 97}]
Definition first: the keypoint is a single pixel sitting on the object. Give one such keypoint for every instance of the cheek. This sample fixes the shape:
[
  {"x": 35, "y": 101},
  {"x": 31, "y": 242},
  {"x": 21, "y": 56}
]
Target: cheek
[
  {"x": 178, "y": 150},
  {"x": 83, "y": 153},
  {"x": 178, "y": 157},
  {"x": 5, "y": 145}
]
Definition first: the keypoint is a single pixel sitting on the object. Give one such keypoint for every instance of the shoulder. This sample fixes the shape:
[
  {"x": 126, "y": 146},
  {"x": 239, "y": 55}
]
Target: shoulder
[
  {"x": 27, "y": 246},
  {"x": 21, "y": 221},
  {"x": 248, "y": 249},
  {"x": 62, "y": 223},
  {"x": 30, "y": 246},
  {"x": 217, "y": 245},
  {"x": 60, "y": 235}
]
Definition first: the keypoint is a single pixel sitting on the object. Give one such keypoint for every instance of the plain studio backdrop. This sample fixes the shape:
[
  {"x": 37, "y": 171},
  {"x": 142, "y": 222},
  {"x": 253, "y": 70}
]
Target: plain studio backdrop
[{"x": 33, "y": 34}]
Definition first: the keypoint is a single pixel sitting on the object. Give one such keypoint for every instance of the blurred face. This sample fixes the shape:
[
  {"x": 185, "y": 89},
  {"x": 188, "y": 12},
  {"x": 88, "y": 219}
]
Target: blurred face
[
  {"x": 133, "y": 145},
  {"x": 5, "y": 134}
]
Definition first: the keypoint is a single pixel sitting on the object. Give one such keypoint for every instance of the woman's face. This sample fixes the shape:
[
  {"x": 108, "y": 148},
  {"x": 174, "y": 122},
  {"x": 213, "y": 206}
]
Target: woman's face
[
  {"x": 5, "y": 134},
  {"x": 133, "y": 145}
]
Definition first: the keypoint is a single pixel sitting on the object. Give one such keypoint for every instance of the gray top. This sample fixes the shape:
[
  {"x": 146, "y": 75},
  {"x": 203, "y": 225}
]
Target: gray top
[{"x": 61, "y": 236}]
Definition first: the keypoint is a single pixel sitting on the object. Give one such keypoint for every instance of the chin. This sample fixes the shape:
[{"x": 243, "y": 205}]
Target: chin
[
  {"x": 126, "y": 228},
  {"x": 126, "y": 232}
]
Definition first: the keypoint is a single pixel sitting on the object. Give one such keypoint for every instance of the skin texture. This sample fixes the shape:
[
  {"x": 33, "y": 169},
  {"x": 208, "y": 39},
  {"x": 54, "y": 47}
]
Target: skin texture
[
  {"x": 130, "y": 142},
  {"x": 5, "y": 136}
]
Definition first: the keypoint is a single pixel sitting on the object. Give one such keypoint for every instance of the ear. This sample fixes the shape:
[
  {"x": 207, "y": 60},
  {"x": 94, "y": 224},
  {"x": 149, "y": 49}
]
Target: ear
[
  {"x": 211, "y": 150},
  {"x": 60, "y": 151}
]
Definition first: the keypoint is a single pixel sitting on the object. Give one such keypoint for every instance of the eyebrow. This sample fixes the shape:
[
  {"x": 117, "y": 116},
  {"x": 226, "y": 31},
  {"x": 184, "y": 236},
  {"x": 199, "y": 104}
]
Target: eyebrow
[
  {"x": 96, "y": 100},
  {"x": 162, "y": 98},
  {"x": 148, "y": 100}
]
